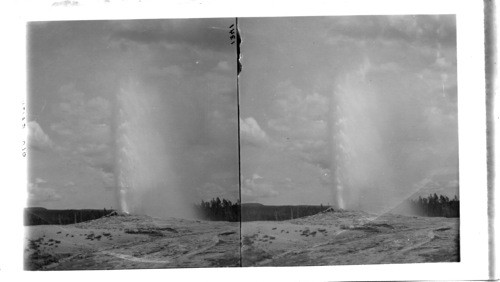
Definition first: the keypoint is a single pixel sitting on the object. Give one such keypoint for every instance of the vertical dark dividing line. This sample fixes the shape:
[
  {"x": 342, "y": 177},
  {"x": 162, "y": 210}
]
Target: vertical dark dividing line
[
  {"x": 238, "y": 65},
  {"x": 491, "y": 58}
]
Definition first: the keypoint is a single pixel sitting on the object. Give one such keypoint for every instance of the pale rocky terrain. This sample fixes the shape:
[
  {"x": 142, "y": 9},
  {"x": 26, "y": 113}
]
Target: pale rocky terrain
[
  {"x": 126, "y": 241},
  {"x": 328, "y": 238},
  {"x": 350, "y": 237}
]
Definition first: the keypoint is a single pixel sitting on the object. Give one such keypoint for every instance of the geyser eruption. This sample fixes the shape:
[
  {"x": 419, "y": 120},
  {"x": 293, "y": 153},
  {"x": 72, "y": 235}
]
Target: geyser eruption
[
  {"x": 358, "y": 167},
  {"x": 144, "y": 178},
  {"x": 138, "y": 165},
  {"x": 340, "y": 153}
]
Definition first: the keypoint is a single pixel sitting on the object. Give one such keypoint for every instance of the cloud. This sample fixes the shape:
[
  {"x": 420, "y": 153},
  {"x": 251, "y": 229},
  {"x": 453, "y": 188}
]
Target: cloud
[
  {"x": 39, "y": 181},
  {"x": 223, "y": 66},
  {"x": 314, "y": 152},
  {"x": 251, "y": 133},
  {"x": 256, "y": 188},
  {"x": 37, "y": 138},
  {"x": 301, "y": 119},
  {"x": 409, "y": 43},
  {"x": 81, "y": 117},
  {"x": 422, "y": 29},
  {"x": 185, "y": 103},
  {"x": 201, "y": 33},
  {"x": 83, "y": 124},
  {"x": 442, "y": 181},
  {"x": 166, "y": 71},
  {"x": 39, "y": 193},
  {"x": 70, "y": 185},
  {"x": 300, "y": 114},
  {"x": 209, "y": 190},
  {"x": 378, "y": 106}
]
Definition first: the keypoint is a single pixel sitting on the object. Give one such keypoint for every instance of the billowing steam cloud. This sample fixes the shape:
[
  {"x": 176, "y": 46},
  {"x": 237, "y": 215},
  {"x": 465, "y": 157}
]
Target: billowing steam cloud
[
  {"x": 358, "y": 162},
  {"x": 142, "y": 158},
  {"x": 382, "y": 143}
]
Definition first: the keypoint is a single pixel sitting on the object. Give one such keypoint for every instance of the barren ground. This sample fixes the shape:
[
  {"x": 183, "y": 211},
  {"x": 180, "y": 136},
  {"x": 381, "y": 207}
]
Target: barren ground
[
  {"x": 125, "y": 242},
  {"x": 350, "y": 237},
  {"x": 329, "y": 238}
]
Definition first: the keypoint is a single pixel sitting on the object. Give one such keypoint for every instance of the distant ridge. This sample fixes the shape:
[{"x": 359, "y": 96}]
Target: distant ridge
[
  {"x": 260, "y": 212},
  {"x": 252, "y": 205},
  {"x": 43, "y": 216}
]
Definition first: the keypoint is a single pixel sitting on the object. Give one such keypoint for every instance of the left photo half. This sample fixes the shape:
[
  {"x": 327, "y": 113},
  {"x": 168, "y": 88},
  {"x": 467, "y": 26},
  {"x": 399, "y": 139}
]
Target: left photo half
[{"x": 132, "y": 145}]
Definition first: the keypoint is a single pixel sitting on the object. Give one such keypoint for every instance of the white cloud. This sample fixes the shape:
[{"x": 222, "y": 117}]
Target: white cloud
[
  {"x": 223, "y": 66},
  {"x": 39, "y": 193},
  {"x": 387, "y": 67},
  {"x": 84, "y": 127},
  {"x": 301, "y": 115},
  {"x": 209, "y": 190},
  {"x": 302, "y": 122},
  {"x": 39, "y": 181},
  {"x": 448, "y": 186},
  {"x": 167, "y": 72},
  {"x": 441, "y": 62},
  {"x": 251, "y": 133},
  {"x": 82, "y": 118},
  {"x": 255, "y": 176},
  {"x": 256, "y": 188},
  {"x": 37, "y": 138},
  {"x": 315, "y": 152}
]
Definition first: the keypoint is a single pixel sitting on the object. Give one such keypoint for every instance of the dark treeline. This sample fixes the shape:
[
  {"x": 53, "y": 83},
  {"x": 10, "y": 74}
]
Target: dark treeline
[
  {"x": 225, "y": 210},
  {"x": 435, "y": 205},
  {"x": 219, "y": 210},
  {"x": 42, "y": 216},
  {"x": 255, "y": 212}
]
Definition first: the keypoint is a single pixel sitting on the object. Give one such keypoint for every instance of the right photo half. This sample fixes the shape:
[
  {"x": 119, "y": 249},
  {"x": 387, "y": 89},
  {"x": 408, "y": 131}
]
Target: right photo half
[{"x": 349, "y": 140}]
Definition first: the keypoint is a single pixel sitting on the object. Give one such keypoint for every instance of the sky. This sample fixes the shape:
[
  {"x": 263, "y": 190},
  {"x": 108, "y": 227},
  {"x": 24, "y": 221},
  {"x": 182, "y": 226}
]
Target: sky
[
  {"x": 380, "y": 89},
  {"x": 151, "y": 99},
  {"x": 152, "y": 105}
]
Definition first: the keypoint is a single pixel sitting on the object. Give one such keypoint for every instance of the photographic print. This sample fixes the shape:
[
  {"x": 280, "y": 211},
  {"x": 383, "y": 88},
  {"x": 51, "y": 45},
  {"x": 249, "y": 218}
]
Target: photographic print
[
  {"x": 349, "y": 140},
  {"x": 194, "y": 140},
  {"x": 132, "y": 145},
  {"x": 312, "y": 141}
]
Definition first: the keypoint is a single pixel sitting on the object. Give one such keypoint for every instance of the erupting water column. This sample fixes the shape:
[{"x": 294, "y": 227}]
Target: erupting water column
[
  {"x": 359, "y": 170},
  {"x": 339, "y": 151},
  {"x": 141, "y": 157}
]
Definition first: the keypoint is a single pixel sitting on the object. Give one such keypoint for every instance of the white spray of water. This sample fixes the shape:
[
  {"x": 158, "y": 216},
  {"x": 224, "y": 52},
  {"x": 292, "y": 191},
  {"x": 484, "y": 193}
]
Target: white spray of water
[
  {"x": 144, "y": 176},
  {"x": 358, "y": 164},
  {"x": 340, "y": 152}
]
